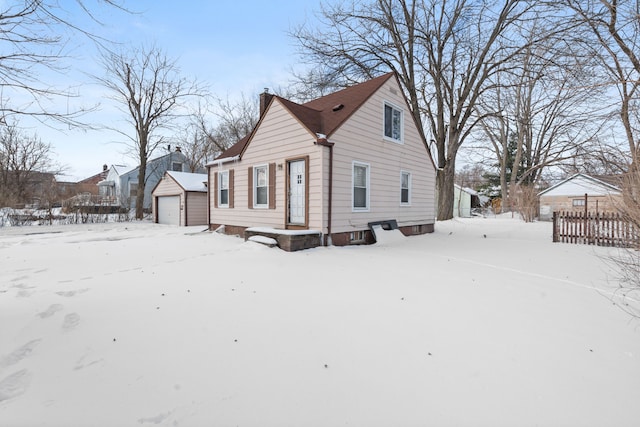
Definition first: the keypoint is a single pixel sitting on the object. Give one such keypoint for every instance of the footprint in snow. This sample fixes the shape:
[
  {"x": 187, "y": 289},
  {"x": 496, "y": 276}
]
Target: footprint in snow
[
  {"x": 69, "y": 294},
  {"x": 155, "y": 420},
  {"x": 23, "y": 294},
  {"x": 14, "y": 385},
  {"x": 85, "y": 362},
  {"x": 20, "y": 353},
  {"x": 53, "y": 309},
  {"x": 70, "y": 321}
]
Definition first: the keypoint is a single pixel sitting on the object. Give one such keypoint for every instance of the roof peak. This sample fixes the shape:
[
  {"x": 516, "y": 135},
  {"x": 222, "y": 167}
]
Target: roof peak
[{"x": 322, "y": 115}]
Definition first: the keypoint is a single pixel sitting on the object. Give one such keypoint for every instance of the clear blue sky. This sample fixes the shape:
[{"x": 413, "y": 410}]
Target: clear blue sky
[{"x": 233, "y": 47}]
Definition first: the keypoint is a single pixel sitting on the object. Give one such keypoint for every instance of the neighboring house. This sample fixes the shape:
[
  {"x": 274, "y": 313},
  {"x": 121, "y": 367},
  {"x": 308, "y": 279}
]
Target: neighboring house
[
  {"x": 109, "y": 188},
  {"x": 579, "y": 192},
  {"x": 464, "y": 200},
  {"x": 85, "y": 188},
  {"x": 180, "y": 198},
  {"x": 334, "y": 165},
  {"x": 121, "y": 184}
]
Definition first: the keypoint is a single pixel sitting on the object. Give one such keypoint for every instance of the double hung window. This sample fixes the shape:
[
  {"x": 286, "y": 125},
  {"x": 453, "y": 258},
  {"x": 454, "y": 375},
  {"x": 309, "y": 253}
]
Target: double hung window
[
  {"x": 223, "y": 189},
  {"x": 392, "y": 122},
  {"x": 405, "y": 188},
  {"x": 261, "y": 186},
  {"x": 360, "y": 186}
]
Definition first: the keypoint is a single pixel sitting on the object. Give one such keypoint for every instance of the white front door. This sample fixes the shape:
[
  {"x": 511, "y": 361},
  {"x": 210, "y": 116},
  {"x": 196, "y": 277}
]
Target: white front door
[{"x": 297, "y": 196}]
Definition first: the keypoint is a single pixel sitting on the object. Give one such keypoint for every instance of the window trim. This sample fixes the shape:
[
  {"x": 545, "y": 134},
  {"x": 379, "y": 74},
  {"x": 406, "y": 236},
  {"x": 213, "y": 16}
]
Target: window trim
[
  {"x": 220, "y": 189},
  {"x": 255, "y": 186},
  {"x": 137, "y": 189},
  {"x": 384, "y": 115},
  {"x": 367, "y": 208},
  {"x": 408, "y": 202}
]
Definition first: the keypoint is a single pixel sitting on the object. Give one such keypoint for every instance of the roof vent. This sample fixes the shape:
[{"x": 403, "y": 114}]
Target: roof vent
[{"x": 338, "y": 107}]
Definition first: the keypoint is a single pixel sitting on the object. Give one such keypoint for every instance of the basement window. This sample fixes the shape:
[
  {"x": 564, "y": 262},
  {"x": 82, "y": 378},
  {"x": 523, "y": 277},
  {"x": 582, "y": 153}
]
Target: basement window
[{"x": 356, "y": 236}]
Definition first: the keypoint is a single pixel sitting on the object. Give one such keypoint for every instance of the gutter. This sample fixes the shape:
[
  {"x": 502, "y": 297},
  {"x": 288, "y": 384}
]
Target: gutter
[
  {"x": 221, "y": 161},
  {"x": 322, "y": 141}
]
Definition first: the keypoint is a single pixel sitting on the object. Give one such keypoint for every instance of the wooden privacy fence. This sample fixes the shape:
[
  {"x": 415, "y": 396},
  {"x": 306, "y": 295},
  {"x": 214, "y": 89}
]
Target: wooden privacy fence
[{"x": 594, "y": 228}]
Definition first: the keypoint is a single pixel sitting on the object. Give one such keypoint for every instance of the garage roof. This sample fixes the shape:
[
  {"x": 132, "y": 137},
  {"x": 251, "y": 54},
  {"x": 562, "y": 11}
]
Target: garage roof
[{"x": 190, "y": 181}]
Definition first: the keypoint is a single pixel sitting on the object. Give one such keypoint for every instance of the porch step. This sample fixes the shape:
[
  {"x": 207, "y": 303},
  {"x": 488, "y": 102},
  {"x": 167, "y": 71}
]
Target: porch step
[
  {"x": 268, "y": 241},
  {"x": 287, "y": 240}
]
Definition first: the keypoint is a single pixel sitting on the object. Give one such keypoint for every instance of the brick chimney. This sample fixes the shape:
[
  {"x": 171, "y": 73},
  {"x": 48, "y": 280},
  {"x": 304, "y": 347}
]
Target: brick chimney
[{"x": 265, "y": 98}]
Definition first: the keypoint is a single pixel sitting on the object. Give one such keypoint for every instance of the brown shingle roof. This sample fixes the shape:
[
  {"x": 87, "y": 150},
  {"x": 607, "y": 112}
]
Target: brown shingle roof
[
  {"x": 323, "y": 115},
  {"x": 337, "y": 107},
  {"x": 236, "y": 149}
]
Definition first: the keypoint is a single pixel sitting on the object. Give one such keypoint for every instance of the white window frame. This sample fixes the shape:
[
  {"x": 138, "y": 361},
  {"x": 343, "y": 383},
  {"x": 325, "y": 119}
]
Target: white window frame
[
  {"x": 255, "y": 186},
  {"x": 220, "y": 189},
  {"x": 393, "y": 107},
  {"x": 408, "y": 202},
  {"x": 357, "y": 236},
  {"x": 577, "y": 203},
  {"x": 367, "y": 208}
]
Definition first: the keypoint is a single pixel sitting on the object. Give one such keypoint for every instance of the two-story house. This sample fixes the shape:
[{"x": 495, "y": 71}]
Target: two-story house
[{"x": 121, "y": 183}]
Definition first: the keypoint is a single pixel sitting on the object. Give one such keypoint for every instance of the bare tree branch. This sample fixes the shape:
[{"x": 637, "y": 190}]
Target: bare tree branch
[{"x": 152, "y": 95}]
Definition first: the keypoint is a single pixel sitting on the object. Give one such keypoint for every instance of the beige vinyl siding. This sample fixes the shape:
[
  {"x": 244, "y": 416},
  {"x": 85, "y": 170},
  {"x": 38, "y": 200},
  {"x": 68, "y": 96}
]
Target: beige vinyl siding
[
  {"x": 196, "y": 208},
  {"x": 192, "y": 203},
  {"x": 361, "y": 139},
  {"x": 600, "y": 203},
  {"x": 168, "y": 187},
  {"x": 279, "y": 138}
]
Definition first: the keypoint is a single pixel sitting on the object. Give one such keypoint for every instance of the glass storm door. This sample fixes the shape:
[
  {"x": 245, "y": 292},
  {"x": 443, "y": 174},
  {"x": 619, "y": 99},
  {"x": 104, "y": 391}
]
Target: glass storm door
[{"x": 297, "y": 196}]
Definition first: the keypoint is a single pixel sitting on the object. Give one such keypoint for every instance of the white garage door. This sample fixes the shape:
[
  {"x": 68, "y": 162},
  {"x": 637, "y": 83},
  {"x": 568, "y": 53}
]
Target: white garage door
[{"x": 169, "y": 210}]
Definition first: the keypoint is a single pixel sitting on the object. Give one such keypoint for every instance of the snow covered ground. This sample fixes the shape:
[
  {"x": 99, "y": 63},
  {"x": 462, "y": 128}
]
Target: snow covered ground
[{"x": 485, "y": 322}]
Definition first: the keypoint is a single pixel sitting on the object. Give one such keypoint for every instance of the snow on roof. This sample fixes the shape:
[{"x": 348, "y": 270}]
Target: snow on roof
[
  {"x": 580, "y": 184},
  {"x": 190, "y": 181},
  {"x": 121, "y": 169},
  {"x": 466, "y": 190}
]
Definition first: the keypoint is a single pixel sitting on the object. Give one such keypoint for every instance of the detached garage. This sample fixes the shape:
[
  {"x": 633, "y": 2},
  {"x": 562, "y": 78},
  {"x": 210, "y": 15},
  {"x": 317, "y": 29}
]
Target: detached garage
[{"x": 180, "y": 198}]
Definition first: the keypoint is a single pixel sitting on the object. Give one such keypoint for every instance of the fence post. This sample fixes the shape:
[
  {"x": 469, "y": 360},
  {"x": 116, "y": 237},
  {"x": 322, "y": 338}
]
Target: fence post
[{"x": 555, "y": 227}]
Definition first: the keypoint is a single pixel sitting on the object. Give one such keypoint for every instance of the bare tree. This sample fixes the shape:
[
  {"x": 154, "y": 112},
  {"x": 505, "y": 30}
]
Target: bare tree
[
  {"x": 27, "y": 171},
  {"x": 202, "y": 140},
  {"x": 615, "y": 30},
  {"x": 149, "y": 88},
  {"x": 543, "y": 112},
  {"x": 35, "y": 39},
  {"x": 235, "y": 120},
  {"x": 614, "y": 27},
  {"x": 445, "y": 53}
]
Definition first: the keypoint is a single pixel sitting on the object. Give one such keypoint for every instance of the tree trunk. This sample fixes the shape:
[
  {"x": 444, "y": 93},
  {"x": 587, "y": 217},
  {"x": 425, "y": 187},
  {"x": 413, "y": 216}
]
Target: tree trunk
[
  {"x": 140, "y": 192},
  {"x": 444, "y": 182}
]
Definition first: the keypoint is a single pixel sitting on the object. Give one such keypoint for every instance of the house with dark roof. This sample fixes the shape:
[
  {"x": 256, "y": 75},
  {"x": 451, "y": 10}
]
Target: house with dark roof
[{"x": 335, "y": 166}]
